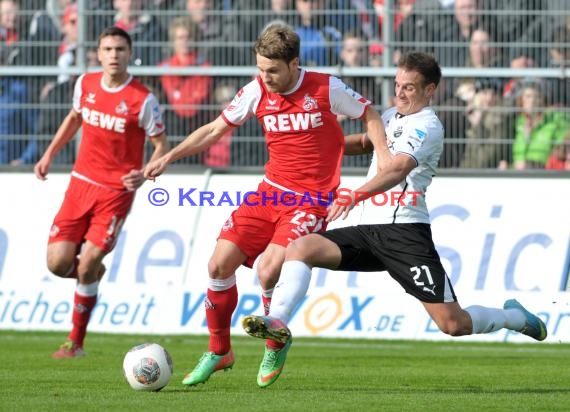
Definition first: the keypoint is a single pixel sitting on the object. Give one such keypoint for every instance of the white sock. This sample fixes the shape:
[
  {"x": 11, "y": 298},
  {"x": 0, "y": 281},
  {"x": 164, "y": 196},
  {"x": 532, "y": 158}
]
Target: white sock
[
  {"x": 268, "y": 293},
  {"x": 87, "y": 290},
  {"x": 487, "y": 320},
  {"x": 219, "y": 285},
  {"x": 290, "y": 289}
]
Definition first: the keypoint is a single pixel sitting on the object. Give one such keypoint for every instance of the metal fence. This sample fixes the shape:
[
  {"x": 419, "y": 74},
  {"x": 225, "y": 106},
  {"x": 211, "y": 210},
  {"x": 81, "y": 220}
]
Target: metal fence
[{"x": 503, "y": 100}]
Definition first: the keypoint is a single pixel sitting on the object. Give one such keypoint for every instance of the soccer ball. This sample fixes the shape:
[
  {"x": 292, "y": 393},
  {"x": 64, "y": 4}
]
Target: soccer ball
[{"x": 147, "y": 367}]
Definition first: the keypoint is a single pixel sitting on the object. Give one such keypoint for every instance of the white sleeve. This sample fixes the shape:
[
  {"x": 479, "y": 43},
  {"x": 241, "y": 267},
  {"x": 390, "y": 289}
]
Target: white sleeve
[
  {"x": 77, "y": 94},
  {"x": 150, "y": 117},
  {"x": 244, "y": 104},
  {"x": 346, "y": 101}
]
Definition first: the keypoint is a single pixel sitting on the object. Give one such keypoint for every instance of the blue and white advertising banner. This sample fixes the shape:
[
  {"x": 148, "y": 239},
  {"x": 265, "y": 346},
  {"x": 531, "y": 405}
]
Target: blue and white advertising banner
[{"x": 499, "y": 238}]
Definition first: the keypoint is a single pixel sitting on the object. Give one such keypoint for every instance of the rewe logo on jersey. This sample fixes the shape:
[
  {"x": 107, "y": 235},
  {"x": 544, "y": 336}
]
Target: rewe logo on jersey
[
  {"x": 104, "y": 120},
  {"x": 286, "y": 122}
]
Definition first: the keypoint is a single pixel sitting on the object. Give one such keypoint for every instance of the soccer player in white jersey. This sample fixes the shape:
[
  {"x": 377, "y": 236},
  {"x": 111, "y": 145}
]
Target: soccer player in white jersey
[
  {"x": 117, "y": 114},
  {"x": 395, "y": 238},
  {"x": 298, "y": 111}
]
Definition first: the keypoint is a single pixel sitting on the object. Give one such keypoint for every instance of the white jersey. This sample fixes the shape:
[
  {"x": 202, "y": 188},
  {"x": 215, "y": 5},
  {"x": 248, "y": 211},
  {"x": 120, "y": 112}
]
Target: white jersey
[{"x": 420, "y": 136}]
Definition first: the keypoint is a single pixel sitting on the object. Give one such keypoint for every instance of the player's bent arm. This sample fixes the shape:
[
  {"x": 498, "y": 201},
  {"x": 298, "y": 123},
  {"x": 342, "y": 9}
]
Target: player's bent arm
[
  {"x": 355, "y": 144},
  {"x": 392, "y": 174},
  {"x": 160, "y": 144},
  {"x": 64, "y": 134},
  {"x": 199, "y": 140},
  {"x": 376, "y": 133}
]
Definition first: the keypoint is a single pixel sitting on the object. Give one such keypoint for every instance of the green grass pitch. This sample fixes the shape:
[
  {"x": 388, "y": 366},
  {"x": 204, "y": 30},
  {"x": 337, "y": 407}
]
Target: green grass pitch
[{"x": 320, "y": 375}]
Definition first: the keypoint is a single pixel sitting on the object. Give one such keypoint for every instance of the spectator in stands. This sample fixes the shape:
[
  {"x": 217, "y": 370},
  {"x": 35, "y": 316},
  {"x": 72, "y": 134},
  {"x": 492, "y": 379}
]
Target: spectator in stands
[
  {"x": 537, "y": 129},
  {"x": 320, "y": 42},
  {"x": 453, "y": 34},
  {"x": 354, "y": 53},
  {"x": 68, "y": 45},
  {"x": 486, "y": 144},
  {"x": 559, "y": 53},
  {"x": 219, "y": 154},
  {"x": 483, "y": 53},
  {"x": 418, "y": 29},
  {"x": 16, "y": 120},
  {"x": 559, "y": 159},
  {"x": 9, "y": 28},
  {"x": 144, "y": 29},
  {"x": 54, "y": 107},
  {"x": 99, "y": 14},
  {"x": 185, "y": 94},
  {"x": 512, "y": 18},
  {"x": 45, "y": 35},
  {"x": 351, "y": 15},
  {"x": 403, "y": 8},
  {"x": 42, "y": 46},
  {"x": 248, "y": 19},
  {"x": 455, "y": 94},
  {"x": 519, "y": 60},
  {"x": 27, "y": 9},
  {"x": 66, "y": 50},
  {"x": 209, "y": 31}
]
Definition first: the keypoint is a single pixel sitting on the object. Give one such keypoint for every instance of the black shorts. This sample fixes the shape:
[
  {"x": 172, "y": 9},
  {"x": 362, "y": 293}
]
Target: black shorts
[{"x": 405, "y": 250}]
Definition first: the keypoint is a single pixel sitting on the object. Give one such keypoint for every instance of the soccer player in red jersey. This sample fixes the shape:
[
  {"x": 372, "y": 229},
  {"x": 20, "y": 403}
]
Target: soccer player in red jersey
[
  {"x": 116, "y": 113},
  {"x": 298, "y": 111}
]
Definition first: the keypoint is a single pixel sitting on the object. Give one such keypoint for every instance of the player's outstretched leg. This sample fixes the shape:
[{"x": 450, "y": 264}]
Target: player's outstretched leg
[
  {"x": 534, "y": 326},
  {"x": 266, "y": 327},
  {"x": 83, "y": 305},
  {"x": 207, "y": 365}
]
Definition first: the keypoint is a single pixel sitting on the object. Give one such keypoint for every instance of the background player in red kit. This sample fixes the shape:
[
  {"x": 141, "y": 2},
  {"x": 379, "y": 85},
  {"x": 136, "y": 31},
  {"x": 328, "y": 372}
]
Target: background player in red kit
[
  {"x": 298, "y": 111},
  {"x": 116, "y": 113}
]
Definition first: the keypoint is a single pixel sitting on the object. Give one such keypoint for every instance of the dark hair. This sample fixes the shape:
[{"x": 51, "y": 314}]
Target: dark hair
[
  {"x": 423, "y": 63},
  {"x": 278, "y": 41},
  {"x": 115, "y": 31}
]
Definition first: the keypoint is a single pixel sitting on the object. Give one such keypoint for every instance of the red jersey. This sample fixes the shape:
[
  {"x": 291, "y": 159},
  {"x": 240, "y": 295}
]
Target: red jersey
[
  {"x": 304, "y": 139},
  {"x": 115, "y": 124}
]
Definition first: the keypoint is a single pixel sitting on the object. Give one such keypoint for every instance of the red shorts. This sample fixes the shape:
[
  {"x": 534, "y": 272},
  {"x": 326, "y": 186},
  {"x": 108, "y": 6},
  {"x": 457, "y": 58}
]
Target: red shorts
[
  {"x": 91, "y": 212},
  {"x": 263, "y": 218}
]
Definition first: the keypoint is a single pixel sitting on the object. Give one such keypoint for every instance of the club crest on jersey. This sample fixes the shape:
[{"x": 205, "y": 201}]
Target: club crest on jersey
[
  {"x": 54, "y": 231},
  {"x": 122, "y": 108},
  {"x": 228, "y": 225},
  {"x": 398, "y": 132},
  {"x": 310, "y": 103},
  {"x": 90, "y": 98}
]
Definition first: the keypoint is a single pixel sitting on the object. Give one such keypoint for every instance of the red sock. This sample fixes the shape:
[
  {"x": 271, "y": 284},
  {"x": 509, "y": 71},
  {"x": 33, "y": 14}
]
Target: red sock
[
  {"x": 266, "y": 304},
  {"x": 273, "y": 345},
  {"x": 82, "y": 307},
  {"x": 219, "y": 309}
]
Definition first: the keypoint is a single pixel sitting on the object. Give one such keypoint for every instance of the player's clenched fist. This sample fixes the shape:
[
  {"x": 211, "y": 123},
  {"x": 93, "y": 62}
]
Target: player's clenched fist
[{"x": 155, "y": 168}]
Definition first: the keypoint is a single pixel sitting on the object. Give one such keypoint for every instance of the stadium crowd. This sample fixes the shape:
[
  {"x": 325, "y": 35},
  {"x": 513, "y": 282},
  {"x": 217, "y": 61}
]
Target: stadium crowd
[{"x": 491, "y": 122}]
